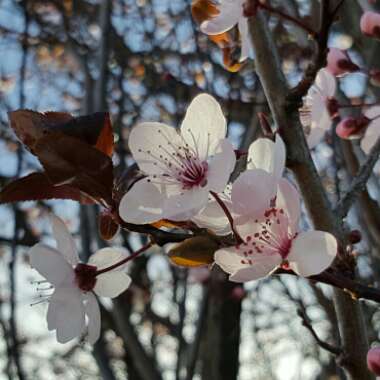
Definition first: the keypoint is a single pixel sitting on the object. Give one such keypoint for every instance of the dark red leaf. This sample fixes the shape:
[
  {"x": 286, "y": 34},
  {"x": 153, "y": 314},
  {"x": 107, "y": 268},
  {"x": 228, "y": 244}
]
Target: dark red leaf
[
  {"x": 69, "y": 161},
  {"x": 94, "y": 129},
  {"x": 36, "y": 186},
  {"x": 31, "y": 126}
]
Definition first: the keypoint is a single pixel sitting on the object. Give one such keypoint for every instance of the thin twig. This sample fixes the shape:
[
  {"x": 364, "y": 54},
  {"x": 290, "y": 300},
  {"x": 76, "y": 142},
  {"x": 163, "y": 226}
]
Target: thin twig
[
  {"x": 326, "y": 346},
  {"x": 287, "y": 17},
  {"x": 360, "y": 181},
  {"x": 228, "y": 215}
]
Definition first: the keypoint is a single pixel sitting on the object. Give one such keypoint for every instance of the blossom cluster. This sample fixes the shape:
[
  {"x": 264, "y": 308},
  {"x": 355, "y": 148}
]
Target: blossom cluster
[
  {"x": 321, "y": 107},
  {"x": 185, "y": 177}
]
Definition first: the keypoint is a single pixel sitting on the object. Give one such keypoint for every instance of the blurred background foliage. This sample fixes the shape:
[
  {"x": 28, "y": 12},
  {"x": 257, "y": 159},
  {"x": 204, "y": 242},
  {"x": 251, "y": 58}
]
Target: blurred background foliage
[{"x": 146, "y": 60}]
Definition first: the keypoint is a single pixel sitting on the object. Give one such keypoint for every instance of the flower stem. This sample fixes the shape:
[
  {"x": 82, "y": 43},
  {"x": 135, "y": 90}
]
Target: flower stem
[
  {"x": 228, "y": 215},
  {"x": 129, "y": 258},
  {"x": 285, "y": 16}
]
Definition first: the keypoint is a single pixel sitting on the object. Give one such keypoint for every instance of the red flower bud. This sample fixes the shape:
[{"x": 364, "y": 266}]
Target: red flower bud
[
  {"x": 355, "y": 237},
  {"x": 250, "y": 8},
  {"x": 333, "y": 107},
  {"x": 352, "y": 127},
  {"x": 238, "y": 293},
  {"x": 370, "y": 24},
  {"x": 373, "y": 360}
]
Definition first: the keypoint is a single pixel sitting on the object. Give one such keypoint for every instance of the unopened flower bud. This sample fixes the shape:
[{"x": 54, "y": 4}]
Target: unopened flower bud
[
  {"x": 339, "y": 63},
  {"x": 332, "y": 106},
  {"x": 374, "y": 77},
  {"x": 355, "y": 236},
  {"x": 238, "y": 293},
  {"x": 370, "y": 24},
  {"x": 250, "y": 8},
  {"x": 352, "y": 127},
  {"x": 108, "y": 228},
  {"x": 373, "y": 360}
]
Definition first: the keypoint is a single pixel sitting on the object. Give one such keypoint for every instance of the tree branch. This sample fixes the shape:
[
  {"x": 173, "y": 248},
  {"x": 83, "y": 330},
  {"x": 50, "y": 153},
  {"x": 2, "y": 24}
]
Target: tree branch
[
  {"x": 350, "y": 320},
  {"x": 360, "y": 181},
  {"x": 326, "y": 346}
]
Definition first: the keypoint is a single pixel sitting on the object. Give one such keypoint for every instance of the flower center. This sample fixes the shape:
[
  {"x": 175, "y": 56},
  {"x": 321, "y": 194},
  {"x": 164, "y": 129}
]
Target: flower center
[
  {"x": 271, "y": 237},
  {"x": 193, "y": 173},
  {"x": 85, "y": 276},
  {"x": 179, "y": 162}
]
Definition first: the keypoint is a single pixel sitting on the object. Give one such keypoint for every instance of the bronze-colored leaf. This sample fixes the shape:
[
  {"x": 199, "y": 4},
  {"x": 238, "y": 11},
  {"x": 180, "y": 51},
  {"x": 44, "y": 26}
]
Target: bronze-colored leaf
[
  {"x": 194, "y": 252},
  {"x": 94, "y": 129},
  {"x": 31, "y": 126},
  {"x": 69, "y": 161},
  {"x": 108, "y": 228},
  {"x": 36, "y": 186}
]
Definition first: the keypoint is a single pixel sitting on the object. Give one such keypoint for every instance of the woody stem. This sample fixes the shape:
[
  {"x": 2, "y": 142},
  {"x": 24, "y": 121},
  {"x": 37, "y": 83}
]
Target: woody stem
[
  {"x": 228, "y": 215},
  {"x": 129, "y": 258}
]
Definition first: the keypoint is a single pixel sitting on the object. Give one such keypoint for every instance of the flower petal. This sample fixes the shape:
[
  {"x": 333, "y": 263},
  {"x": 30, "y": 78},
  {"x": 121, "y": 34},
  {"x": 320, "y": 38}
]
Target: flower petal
[
  {"x": 214, "y": 218},
  {"x": 252, "y": 192},
  {"x": 153, "y": 145},
  {"x": 185, "y": 205},
  {"x": 143, "y": 203},
  {"x": 326, "y": 82},
  {"x": 108, "y": 256},
  {"x": 288, "y": 199},
  {"x": 65, "y": 242},
  {"x": 51, "y": 264},
  {"x": 315, "y": 136},
  {"x": 221, "y": 166},
  {"x": 92, "y": 311},
  {"x": 111, "y": 284},
  {"x": 260, "y": 268},
  {"x": 266, "y": 155},
  {"x": 230, "y": 12},
  {"x": 229, "y": 260},
  {"x": 372, "y": 112},
  {"x": 246, "y": 45},
  {"x": 312, "y": 252},
  {"x": 371, "y": 135},
  {"x": 204, "y": 125},
  {"x": 66, "y": 314}
]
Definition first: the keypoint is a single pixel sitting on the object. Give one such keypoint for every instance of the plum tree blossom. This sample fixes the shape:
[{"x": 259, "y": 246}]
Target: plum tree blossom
[
  {"x": 265, "y": 161},
  {"x": 75, "y": 283},
  {"x": 319, "y": 107},
  {"x": 273, "y": 240},
  {"x": 231, "y": 13},
  {"x": 181, "y": 169},
  {"x": 373, "y": 360},
  {"x": 372, "y": 132},
  {"x": 339, "y": 62},
  {"x": 370, "y": 24}
]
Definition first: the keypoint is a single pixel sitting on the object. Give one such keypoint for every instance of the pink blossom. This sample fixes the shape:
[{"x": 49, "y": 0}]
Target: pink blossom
[
  {"x": 373, "y": 360},
  {"x": 339, "y": 63},
  {"x": 181, "y": 168},
  {"x": 372, "y": 132},
  {"x": 272, "y": 240},
  {"x": 352, "y": 127},
  {"x": 370, "y": 24},
  {"x": 73, "y": 310},
  {"x": 319, "y": 107}
]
